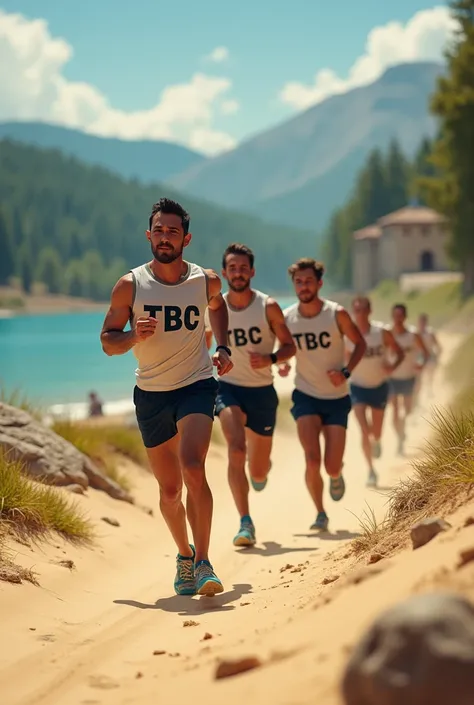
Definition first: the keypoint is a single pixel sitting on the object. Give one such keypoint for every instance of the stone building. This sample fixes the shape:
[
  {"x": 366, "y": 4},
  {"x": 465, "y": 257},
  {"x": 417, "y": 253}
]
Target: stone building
[{"x": 408, "y": 241}]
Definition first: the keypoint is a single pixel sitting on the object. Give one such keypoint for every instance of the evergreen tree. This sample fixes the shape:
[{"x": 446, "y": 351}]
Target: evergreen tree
[
  {"x": 75, "y": 278},
  {"x": 452, "y": 191},
  {"x": 50, "y": 270},
  {"x": 25, "y": 267},
  {"x": 7, "y": 259},
  {"x": 397, "y": 170}
]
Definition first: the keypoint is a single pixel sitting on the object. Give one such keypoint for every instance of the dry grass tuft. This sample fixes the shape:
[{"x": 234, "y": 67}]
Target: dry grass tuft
[{"x": 104, "y": 443}]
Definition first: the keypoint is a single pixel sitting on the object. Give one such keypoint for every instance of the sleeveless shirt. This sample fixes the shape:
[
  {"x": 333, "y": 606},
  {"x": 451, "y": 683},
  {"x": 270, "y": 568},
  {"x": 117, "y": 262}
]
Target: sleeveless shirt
[
  {"x": 370, "y": 373},
  {"x": 319, "y": 348},
  {"x": 428, "y": 339},
  {"x": 176, "y": 354},
  {"x": 406, "y": 340},
  {"x": 249, "y": 331}
]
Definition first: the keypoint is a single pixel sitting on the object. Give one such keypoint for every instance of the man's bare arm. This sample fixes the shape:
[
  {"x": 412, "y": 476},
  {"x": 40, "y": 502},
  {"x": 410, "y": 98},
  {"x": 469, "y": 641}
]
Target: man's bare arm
[
  {"x": 278, "y": 325},
  {"x": 115, "y": 340},
  {"x": 349, "y": 329},
  {"x": 218, "y": 312},
  {"x": 390, "y": 343},
  {"x": 422, "y": 348}
]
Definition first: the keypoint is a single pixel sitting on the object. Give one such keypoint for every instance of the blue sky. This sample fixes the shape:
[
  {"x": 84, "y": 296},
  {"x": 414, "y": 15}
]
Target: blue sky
[{"x": 130, "y": 52}]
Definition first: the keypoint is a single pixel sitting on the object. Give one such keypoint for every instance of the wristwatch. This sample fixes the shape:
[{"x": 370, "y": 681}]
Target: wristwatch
[
  {"x": 273, "y": 358},
  {"x": 225, "y": 349},
  {"x": 346, "y": 372}
]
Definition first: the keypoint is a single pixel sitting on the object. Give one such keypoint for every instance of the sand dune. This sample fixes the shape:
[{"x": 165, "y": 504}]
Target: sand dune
[{"x": 91, "y": 635}]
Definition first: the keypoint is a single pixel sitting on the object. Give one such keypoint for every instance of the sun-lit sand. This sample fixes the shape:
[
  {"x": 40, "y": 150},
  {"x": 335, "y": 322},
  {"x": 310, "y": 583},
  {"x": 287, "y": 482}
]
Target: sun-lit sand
[{"x": 111, "y": 631}]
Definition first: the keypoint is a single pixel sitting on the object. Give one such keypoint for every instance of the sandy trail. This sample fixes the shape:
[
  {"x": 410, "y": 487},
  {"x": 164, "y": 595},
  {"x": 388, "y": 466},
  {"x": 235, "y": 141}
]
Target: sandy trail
[{"x": 88, "y": 636}]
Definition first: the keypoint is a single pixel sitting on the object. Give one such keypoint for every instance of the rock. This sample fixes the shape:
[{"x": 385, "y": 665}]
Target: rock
[
  {"x": 207, "y": 636},
  {"x": 374, "y": 558},
  {"x": 190, "y": 623},
  {"x": 111, "y": 521},
  {"x": 426, "y": 530},
  {"x": 159, "y": 652},
  {"x": 469, "y": 521},
  {"x": 75, "y": 489},
  {"x": 466, "y": 556},
  {"x": 329, "y": 579},
  {"x": 225, "y": 669},
  {"x": 50, "y": 458},
  {"x": 420, "y": 652}
]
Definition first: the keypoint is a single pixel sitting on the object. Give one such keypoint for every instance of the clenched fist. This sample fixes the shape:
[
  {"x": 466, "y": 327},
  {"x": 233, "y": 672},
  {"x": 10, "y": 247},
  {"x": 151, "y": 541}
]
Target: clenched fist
[{"x": 144, "y": 328}]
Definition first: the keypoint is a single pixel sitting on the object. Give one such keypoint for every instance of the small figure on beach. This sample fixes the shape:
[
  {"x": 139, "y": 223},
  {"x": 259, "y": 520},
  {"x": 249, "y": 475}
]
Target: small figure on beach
[{"x": 95, "y": 405}]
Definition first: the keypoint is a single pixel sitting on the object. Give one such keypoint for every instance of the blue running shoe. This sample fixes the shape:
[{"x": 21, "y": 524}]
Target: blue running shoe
[
  {"x": 258, "y": 486},
  {"x": 376, "y": 449},
  {"x": 321, "y": 523},
  {"x": 184, "y": 583},
  {"x": 207, "y": 582},
  {"x": 337, "y": 488},
  {"x": 246, "y": 534}
]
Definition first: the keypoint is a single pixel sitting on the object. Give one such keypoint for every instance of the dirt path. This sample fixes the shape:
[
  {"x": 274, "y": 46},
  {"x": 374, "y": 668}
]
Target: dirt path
[{"x": 88, "y": 636}]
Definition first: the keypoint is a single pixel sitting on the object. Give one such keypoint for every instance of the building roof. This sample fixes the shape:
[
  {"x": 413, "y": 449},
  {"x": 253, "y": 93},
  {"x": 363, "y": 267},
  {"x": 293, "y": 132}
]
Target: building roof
[
  {"x": 371, "y": 232},
  {"x": 412, "y": 215}
]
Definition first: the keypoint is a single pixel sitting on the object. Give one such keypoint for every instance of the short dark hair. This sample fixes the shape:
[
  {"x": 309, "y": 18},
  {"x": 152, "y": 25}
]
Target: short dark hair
[
  {"x": 307, "y": 263},
  {"x": 236, "y": 248},
  {"x": 166, "y": 205},
  {"x": 402, "y": 307}
]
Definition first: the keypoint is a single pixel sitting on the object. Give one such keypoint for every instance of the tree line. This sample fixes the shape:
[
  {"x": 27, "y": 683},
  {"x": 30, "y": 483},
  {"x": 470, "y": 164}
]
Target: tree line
[
  {"x": 77, "y": 228},
  {"x": 441, "y": 175}
]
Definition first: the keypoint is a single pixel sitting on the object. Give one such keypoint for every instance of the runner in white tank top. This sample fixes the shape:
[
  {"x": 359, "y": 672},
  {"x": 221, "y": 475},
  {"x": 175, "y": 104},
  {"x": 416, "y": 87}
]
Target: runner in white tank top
[
  {"x": 369, "y": 381},
  {"x": 246, "y": 400},
  {"x": 425, "y": 378},
  {"x": 165, "y": 302},
  {"x": 402, "y": 381},
  {"x": 321, "y": 397}
]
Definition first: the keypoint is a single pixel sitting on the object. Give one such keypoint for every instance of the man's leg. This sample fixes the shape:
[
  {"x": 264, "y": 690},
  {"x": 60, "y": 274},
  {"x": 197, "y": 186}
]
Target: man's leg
[
  {"x": 233, "y": 427},
  {"x": 309, "y": 429},
  {"x": 259, "y": 452},
  {"x": 360, "y": 411}
]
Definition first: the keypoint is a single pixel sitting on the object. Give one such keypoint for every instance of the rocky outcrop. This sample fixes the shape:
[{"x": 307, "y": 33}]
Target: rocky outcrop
[
  {"x": 48, "y": 457},
  {"x": 420, "y": 652}
]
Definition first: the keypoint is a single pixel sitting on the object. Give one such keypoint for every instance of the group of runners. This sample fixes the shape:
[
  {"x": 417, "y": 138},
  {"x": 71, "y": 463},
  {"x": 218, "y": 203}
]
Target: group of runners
[{"x": 343, "y": 360}]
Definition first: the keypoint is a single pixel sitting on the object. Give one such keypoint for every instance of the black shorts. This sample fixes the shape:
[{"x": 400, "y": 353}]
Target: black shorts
[
  {"x": 158, "y": 412},
  {"x": 374, "y": 397},
  {"x": 402, "y": 387},
  {"x": 333, "y": 412},
  {"x": 259, "y": 404}
]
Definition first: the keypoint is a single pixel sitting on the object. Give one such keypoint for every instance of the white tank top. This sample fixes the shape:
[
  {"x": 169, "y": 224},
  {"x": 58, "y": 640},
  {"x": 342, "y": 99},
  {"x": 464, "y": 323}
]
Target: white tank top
[
  {"x": 249, "y": 331},
  {"x": 176, "y": 355},
  {"x": 370, "y": 372},
  {"x": 407, "y": 368},
  {"x": 428, "y": 339},
  {"x": 319, "y": 348}
]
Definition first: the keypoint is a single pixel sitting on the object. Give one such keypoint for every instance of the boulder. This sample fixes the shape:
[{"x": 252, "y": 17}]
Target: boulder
[
  {"x": 419, "y": 652},
  {"x": 50, "y": 458}
]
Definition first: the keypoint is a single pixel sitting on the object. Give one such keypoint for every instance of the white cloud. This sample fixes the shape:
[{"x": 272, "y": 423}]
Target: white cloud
[
  {"x": 33, "y": 87},
  {"x": 218, "y": 55},
  {"x": 229, "y": 107},
  {"x": 422, "y": 38}
]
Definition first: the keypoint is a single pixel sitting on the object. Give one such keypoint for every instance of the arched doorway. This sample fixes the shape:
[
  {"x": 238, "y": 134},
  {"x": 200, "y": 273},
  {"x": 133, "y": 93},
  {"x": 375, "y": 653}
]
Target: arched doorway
[{"x": 427, "y": 261}]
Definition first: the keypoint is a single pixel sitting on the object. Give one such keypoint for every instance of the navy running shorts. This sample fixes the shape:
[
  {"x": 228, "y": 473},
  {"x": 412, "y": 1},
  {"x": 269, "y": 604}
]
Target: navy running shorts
[
  {"x": 375, "y": 397},
  {"x": 159, "y": 412},
  {"x": 333, "y": 412},
  {"x": 259, "y": 404},
  {"x": 402, "y": 387}
]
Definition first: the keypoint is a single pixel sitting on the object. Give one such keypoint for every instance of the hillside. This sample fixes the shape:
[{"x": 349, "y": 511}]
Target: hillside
[
  {"x": 147, "y": 160},
  {"x": 301, "y": 170},
  {"x": 77, "y": 228}
]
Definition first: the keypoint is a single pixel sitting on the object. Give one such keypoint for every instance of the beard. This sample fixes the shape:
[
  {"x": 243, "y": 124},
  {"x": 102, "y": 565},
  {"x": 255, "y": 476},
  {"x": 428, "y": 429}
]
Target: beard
[
  {"x": 166, "y": 256},
  {"x": 239, "y": 285},
  {"x": 306, "y": 297}
]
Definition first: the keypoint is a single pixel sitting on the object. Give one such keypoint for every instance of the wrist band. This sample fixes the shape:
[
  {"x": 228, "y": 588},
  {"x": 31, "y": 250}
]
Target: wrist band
[
  {"x": 225, "y": 348},
  {"x": 273, "y": 358}
]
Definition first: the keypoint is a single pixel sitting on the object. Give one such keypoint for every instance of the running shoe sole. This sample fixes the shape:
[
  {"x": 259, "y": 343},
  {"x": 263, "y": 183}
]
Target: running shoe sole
[
  {"x": 244, "y": 541},
  {"x": 210, "y": 588}
]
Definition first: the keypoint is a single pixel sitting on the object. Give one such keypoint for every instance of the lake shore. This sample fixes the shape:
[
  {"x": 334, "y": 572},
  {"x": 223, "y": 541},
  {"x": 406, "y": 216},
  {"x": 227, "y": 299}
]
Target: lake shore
[{"x": 17, "y": 303}]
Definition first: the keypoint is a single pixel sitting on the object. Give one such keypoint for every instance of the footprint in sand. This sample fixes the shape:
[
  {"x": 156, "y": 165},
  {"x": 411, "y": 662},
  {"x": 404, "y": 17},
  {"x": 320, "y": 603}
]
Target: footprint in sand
[{"x": 102, "y": 682}]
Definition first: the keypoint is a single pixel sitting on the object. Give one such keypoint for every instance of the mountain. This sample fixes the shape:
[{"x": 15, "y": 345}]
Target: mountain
[
  {"x": 77, "y": 228},
  {"x": 300, "y": 171},
  {"x": 149, "y": 161}
]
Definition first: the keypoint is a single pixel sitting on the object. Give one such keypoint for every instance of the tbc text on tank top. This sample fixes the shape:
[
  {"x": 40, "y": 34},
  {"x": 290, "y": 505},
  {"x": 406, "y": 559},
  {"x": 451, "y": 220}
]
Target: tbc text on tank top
[
  {"x": 176, "y": 354},
  {"x": 249, "y": 331},
  {"x": 407, "y": 368},
  {"x": 370, "y": 372},
  {"x": 319, "y": 348}
]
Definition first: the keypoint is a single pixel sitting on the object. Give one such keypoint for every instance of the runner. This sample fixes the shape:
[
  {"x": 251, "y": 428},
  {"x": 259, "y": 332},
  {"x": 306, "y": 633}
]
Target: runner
[
  {"x": 246, "y": 400},
  {"x": 402, "y": 379},
  {"x": 208, "y": 329},
  {"x": 425, "y": 378},
  {"x": 369, "y": 381},
  {"x": 321, "y": 400},
  {"x": 175, "y": 391}
]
